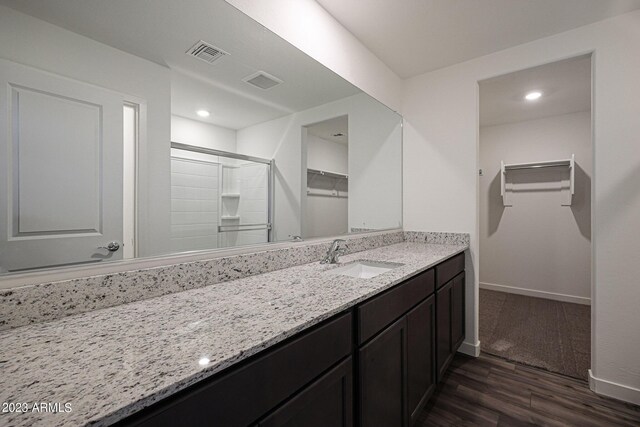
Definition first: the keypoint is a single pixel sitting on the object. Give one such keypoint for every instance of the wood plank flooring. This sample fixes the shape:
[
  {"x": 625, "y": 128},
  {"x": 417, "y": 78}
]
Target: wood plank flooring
[{"x": 489, "y": 391}]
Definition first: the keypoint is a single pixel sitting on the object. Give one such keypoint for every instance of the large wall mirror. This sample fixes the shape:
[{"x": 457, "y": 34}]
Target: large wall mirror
[{"x": 136, "y": 129}]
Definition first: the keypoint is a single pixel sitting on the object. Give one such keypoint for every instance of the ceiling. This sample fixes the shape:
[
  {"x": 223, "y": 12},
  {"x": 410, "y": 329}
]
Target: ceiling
[
  {"x": 229, "y": 109},
  {"x": 565, "y": 88},
  {"x": 416, "y": 36},
  {"x": 163, "y": 30},
  {"x": 328, "y": 129}
]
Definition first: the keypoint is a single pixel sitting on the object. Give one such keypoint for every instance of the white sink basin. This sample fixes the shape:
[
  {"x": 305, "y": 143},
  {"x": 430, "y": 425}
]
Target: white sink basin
[{"x": 364, "y": 269}]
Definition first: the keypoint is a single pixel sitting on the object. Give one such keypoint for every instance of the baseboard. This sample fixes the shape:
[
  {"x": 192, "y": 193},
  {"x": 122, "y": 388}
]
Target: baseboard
[
  {"x": 469, "y": 349},
  {"x": 615, "y": 390},
  {"x": 535, "y": 293}
]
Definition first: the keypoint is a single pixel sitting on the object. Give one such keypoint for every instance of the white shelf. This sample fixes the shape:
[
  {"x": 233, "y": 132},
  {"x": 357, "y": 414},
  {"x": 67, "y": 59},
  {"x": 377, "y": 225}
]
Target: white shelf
[
  {"x": 566, "y": 163},
  {"x": 230, "y": 217},
  {"x": 328, "y": 173},
  {"x": 230, "y": 195}
]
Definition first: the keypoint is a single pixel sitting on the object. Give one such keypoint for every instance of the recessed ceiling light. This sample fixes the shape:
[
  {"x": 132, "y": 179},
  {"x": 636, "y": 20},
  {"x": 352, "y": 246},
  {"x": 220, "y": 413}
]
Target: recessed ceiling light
[
  {"x": 204, "y": 361},
  {"x": 532, "y": 96},
  {"x": 203, "y": 113}
]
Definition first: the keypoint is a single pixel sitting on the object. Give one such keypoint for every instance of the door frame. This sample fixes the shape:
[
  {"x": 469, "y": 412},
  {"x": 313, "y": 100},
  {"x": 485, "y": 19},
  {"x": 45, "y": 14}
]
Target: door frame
[
  {"x": 476, "y": 281},
  {"x": 131, "y": 218}
]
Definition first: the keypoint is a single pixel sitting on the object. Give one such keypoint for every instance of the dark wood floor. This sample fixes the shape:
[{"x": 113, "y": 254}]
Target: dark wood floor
[{"x": 489, "y": 391}]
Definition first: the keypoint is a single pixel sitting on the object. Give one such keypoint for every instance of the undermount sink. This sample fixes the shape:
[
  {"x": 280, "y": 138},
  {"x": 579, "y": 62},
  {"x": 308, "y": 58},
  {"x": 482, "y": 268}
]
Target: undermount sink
[{"x": 364, "y": 269}]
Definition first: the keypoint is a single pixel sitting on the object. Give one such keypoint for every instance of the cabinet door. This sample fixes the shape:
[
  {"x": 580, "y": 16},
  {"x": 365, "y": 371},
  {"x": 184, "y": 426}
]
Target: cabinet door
[
  {"x": 420, "y": 356},
  {"x": 382, "y": 377},
  {"x": 326, "y": 402},
  {"x": 457, "y": 312},
  {"x": 380, "y": 311},
  {"x": 443, "y": 334}
]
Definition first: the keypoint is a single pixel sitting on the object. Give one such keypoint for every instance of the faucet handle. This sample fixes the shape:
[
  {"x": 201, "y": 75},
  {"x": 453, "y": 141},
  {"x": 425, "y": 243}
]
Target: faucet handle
[{"x": 339, "y": 243}]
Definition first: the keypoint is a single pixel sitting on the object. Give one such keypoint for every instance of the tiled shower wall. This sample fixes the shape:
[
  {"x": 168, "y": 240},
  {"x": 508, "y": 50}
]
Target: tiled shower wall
[
  {"x": 194, "y": 205},
  {"x": 253, "y": 205}
]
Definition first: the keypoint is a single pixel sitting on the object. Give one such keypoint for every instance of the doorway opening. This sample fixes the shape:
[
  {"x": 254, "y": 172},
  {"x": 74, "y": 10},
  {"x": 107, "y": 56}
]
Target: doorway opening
[
  {"x": 536, "y": 162},
  {"x": 326, "y": 167}
]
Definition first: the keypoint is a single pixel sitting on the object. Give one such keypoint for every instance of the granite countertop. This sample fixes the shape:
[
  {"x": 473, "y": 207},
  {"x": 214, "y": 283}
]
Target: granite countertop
[{"x": 110, "y": 363}]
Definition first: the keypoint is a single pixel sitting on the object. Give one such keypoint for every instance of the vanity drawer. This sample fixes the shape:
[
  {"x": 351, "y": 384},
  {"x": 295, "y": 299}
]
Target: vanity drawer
[
  {"x": 244, "y": 395},
  {"x": 376, "y": 314},
  {"x": 449, "y": 269}
]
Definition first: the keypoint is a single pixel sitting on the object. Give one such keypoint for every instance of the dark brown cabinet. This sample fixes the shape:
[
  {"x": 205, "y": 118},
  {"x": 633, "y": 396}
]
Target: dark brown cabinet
[
  {"x": 450, "y": 322},
  {"x": 381, "y": 310},
  {"x": 382, "y": 379},
  {"x": 376, "y": 364},
  {"x": 443, "y": 322},
  {"x": 457, "y": 311},
  {"x": 326, "y": 402},
  {"x": 396, "y": 367},
  {"x": 421, "y": 375}
]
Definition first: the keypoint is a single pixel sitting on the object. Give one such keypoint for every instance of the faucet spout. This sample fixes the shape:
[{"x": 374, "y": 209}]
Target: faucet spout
[{"x": 331, "y": 257}]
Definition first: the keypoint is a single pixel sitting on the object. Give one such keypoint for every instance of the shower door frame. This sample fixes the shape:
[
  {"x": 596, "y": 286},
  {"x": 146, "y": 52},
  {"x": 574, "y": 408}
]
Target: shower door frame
[{"x": 270, "y": 175}]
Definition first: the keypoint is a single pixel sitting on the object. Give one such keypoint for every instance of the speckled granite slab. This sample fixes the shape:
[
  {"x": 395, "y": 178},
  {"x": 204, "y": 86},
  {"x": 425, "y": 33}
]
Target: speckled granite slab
[
  {"x": 50, "y": 301},
  {"x": 437, "y": 238},
  {"x": 113, "y": 362}
]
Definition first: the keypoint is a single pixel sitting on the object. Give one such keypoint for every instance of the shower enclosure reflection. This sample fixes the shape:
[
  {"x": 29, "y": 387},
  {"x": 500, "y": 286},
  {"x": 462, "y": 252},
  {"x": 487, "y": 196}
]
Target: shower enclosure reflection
[{"x": 218, "y": 199}]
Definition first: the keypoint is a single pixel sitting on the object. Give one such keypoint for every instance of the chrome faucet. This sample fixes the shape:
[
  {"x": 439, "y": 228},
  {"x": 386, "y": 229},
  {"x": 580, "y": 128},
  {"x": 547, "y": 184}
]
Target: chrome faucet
[{"x": 334, "y": 252}]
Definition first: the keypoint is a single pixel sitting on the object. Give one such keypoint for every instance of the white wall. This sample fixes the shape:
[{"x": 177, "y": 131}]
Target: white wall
[
  {"x": 374, "y": 162},
  {"x": 537, "y": 246},
  {"x": 441, "y": 182},
  {"x": 208, "y": 135},
  {"x": 327, "y": 155},
  {"x": 310, "y": 28},
  {"x": 36, "y": 43}
]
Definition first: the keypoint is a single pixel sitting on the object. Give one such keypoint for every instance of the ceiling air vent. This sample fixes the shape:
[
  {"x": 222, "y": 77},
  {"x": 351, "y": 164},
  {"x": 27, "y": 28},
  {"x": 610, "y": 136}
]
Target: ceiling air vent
[
  {"x": 262, "y": 80},
  {"x": 206, "y": 52}
]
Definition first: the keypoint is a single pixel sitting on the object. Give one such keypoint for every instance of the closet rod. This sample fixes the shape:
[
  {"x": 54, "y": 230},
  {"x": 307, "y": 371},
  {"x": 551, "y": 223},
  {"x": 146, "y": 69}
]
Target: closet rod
[
  {"x": 511, "y": 168},
  {"x": 339, "y": 196}
]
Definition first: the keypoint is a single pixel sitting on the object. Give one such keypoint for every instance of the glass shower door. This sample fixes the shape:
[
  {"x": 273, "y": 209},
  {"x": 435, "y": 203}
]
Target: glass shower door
[
  {"x": 218, "y": 199},
  {"x": 244, "y": 202}
]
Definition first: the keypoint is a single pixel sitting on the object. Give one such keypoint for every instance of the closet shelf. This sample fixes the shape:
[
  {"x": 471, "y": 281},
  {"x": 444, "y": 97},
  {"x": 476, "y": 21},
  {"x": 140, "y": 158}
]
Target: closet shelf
[
  {"x": 566, "y": 163},
  {"x": 327, "y": 173},
  {"x": 230, "y": 217},
  {"x": 230, "y": 195}
]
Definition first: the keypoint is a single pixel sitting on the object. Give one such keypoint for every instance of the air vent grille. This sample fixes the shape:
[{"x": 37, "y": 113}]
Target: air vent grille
[
  {"x": 262, "y": 80},
  {"x": 206, "y": 52}
]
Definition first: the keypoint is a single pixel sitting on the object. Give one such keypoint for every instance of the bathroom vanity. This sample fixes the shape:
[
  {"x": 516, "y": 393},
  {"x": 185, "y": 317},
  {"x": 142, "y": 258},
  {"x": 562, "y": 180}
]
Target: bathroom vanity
[
  {"x": 376, "y": 363},
  {"x": 308, "y": 344}
]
